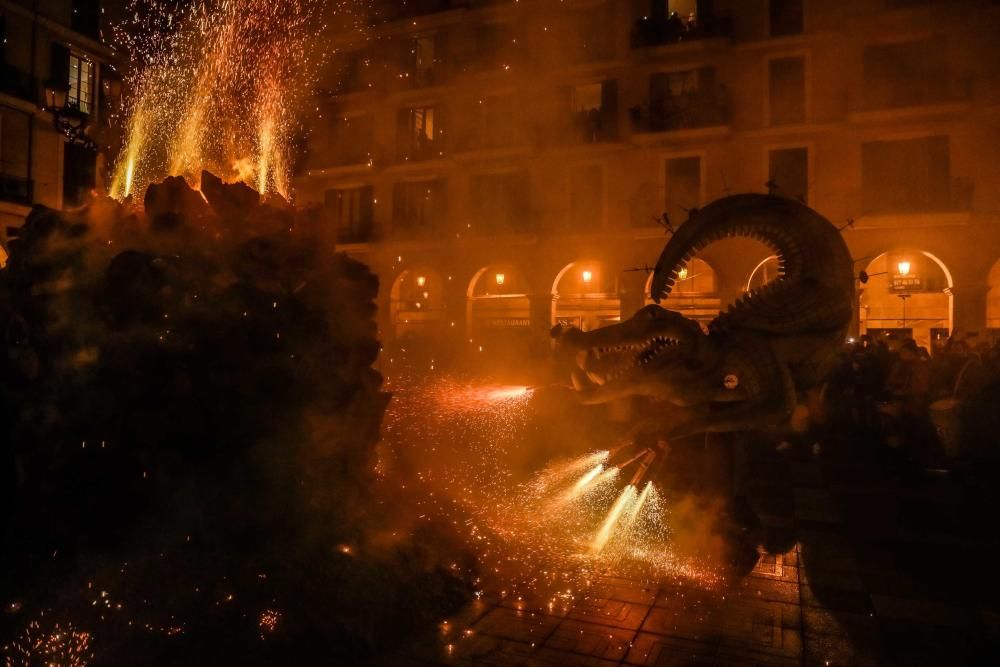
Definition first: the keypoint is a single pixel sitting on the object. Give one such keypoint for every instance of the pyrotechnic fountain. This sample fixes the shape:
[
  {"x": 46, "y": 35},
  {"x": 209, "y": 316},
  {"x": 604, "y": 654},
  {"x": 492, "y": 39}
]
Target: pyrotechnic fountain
[
  {"x": 216, "y": 86},
  {"x": 568, "y": 523}
]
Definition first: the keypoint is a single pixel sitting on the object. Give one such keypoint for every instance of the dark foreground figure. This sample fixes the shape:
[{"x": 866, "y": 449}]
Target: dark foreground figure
[{"x": 187, "y": 444}]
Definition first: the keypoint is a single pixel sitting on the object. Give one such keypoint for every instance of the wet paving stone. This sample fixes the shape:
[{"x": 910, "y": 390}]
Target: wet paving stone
[
  {"x": 853, "y": 590},
  {"x": 589, "y": 639},
  {"x": 612, "y": 613}
]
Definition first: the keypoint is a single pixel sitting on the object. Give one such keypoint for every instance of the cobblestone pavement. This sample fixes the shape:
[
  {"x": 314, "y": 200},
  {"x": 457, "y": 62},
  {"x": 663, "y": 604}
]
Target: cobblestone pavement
[{"x": 880, "y": 574}]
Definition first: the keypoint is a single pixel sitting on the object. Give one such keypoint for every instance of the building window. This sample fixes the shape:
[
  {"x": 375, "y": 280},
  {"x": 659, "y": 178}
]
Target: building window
[
  {"x": 586, "y": 197},
  {"x": 595, "y": 111},
  {"x": 910, "y": 74},
  {"x": 15, "y": 183},
  {"x": 353, "y": 72},
  {"x": 682, "y": 186},
  {"x": 593, "y": 38},
  {"x": 787, "y": 90},
  {"x": 496, "y": 46},
  {"x": 81, "y": 82},
  {"x": 786, "y": 17},
  {"x": 79, "y": 173},
  {"x": 351, "y": 140},
  {"x": 668, "y": 21},
  {"x": 788, "y": 170},
  {"x": 497, "y": 127},
  {"x": 351, "y": 211},
  {"x": 682, "y": 100},
  {"x": 418, "y": 133},
  {"x": 86, "y": 18},
  {"x": 911, "y": 175},
  {"x": 417, "y": 206},
  {"x": 419, "y": 60},
  {"x": 501, "y": 203}
]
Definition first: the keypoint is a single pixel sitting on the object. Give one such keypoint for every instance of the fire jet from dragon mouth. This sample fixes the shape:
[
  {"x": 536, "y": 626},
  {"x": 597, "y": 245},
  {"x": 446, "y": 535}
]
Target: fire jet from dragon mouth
[{"x": 758, "y": 358}]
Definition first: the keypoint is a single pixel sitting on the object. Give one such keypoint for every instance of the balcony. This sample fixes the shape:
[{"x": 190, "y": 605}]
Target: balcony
[
  {"x": 653, "y": 31},
  {"x": 594, "y": 127},
  {"x": 16, "y": 190},
  {"x": 685, "y": 112},
  {"x": 952, "y": 195},
  {"x": 901, "y": 93},
  {"x": 362, "y": 233},
  {"x": 419, "y": 148},
  {"x": 491, "y": 138},
  {"x": 341, "y": 156},
  {"x": 17, "y": 83},
  {"x": 423, "y": 77}
]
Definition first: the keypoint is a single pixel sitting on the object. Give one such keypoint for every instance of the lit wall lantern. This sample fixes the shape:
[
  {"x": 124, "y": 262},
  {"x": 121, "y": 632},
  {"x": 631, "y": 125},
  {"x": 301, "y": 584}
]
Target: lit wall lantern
[
  {"x": 500, "y": 278},
  {"x": 55, "y": 95},
  {"x": 682, "y": 274},
  {"x": 67, "y": 119},
  {"x": 427, "y": 295},
  {"x": 421, "y": 281},
  {"x": 587, "y": 276},
  {"x": 904, "y": 268}
]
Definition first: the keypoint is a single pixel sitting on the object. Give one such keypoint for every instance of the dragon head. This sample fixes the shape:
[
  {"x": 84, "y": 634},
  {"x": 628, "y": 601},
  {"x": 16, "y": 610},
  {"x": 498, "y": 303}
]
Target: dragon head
[{"x": 656, "y": 353}]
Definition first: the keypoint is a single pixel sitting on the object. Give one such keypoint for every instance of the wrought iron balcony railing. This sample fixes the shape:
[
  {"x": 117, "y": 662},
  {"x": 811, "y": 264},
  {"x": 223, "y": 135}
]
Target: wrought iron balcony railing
[{"x": 690, "y": 111}]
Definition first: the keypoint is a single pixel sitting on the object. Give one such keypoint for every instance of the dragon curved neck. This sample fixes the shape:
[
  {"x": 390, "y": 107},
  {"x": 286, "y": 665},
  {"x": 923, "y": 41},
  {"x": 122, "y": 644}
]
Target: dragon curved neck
[{"x": 807, "y": 246}]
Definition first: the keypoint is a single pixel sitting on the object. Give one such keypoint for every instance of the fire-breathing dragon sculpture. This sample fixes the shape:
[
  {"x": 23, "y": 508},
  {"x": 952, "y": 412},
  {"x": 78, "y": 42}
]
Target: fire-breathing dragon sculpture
[{"x": 759, "y": 357}]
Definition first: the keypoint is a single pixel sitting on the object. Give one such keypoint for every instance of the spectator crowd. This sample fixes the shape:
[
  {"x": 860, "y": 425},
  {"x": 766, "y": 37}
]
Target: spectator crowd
[{"x": 927, "y": 410}]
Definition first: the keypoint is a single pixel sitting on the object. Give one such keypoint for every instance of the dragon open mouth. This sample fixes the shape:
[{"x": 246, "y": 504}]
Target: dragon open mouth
[{"x": 606, "y": 363}]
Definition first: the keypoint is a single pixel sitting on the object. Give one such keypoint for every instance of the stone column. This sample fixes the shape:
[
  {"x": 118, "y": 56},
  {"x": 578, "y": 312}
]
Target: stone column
[
  {"x": 970, "y": 308},
  {"x": 632, "y": 293},
  {"x": 541, "y": 313}
]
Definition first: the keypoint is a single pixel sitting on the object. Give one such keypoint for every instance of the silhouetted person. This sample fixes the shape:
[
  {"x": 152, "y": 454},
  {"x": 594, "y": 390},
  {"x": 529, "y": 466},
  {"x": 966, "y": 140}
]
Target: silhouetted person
[
  {"x": 674, "y": 28},
  {"x": 909, "y": 389}
]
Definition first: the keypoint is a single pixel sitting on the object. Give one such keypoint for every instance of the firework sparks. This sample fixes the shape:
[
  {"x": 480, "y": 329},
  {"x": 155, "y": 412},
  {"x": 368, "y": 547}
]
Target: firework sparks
[
  {"x": 535, "y": 537},
  {"x": 268, "y": 622},
  {"x": 213, "y": 90},
  {"x": 627, "y": 497},
  {"x": 60, "y": 645}
]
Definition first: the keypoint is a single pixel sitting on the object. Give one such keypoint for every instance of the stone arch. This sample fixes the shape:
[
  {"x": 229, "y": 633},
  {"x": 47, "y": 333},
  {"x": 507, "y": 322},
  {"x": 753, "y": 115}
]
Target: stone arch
[
  {"x": 417, "y": 303},
  {"x": 765, "y": 271},
  {"x": 695, "y": 294},
  {"x": 586, "y": 294},
  {"x": 993, "y": 300},
  {"x": 498, "y": 301},
  {"x": 908, "y": 291}
]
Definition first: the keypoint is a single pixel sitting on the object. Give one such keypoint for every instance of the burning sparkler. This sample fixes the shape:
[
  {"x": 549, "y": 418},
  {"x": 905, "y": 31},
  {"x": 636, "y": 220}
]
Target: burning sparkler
[{"x": 214, "y": 90}]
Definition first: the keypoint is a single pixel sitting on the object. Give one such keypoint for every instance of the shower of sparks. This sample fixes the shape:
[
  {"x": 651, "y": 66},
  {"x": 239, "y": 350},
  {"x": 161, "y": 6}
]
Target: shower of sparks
[
  {"x": 58, "y": 646},
  {"x": 539, "y": 535},
  {"x": 268, "y": 622},
  {"x": 611, "y": 522},
  {"x": 214, "y": 87}
]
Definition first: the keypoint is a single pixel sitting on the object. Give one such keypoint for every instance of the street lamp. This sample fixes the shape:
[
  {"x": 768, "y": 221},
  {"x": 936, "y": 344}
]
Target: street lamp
[
  {"x": 67, "y": 118},
  {"x": 903, "y": 268},
  {"x": 421, "y": 281},
  {"x": 682, "y": 274},
  {"x": 500, "y": 278},
  {"x": 55, "y": 95},
  {"x": 587, "y": 276}
]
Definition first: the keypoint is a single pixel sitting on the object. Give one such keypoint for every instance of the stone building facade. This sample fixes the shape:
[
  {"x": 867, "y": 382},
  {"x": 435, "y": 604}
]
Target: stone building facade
[
  {"x": 504, "y": 166},
  {"x": 55, "y": 100}
]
